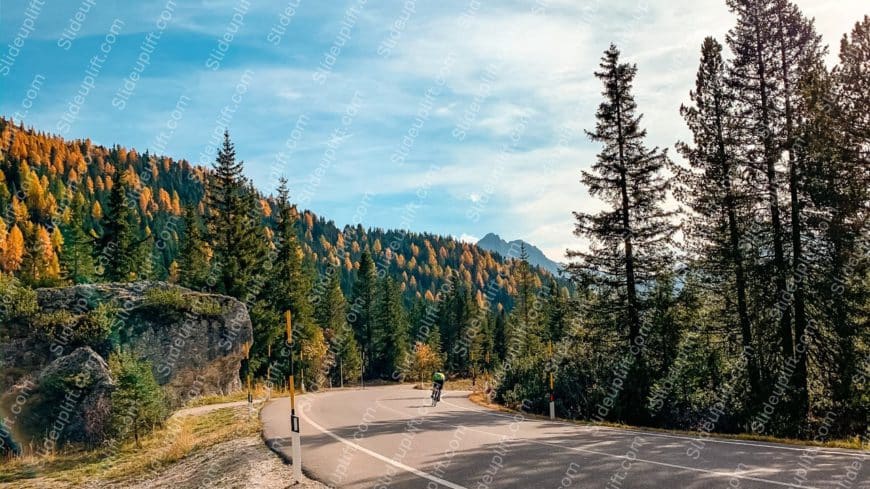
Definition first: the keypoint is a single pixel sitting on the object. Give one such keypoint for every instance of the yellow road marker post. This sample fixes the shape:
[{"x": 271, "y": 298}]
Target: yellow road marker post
[{"x": 294, "y": 420}]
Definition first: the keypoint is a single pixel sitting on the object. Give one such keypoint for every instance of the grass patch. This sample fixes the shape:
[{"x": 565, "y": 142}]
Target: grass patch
[
  {"x": 171, "y": 303},
  {"x": 180, "y": 437},
  {"x": 482, "y": 399}
]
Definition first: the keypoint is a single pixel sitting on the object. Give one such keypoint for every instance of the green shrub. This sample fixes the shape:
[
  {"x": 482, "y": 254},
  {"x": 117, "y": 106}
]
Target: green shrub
[
  {"x": 207, "y": 306},
  {"x": 90, "y": 329},
  {"x": 165, "y": 298},
  {"x": 137, "y": 402},
  {"x": 96, "y": 326},
  {"x": 51, "y": 321},
  {"x": 172, "y": 303},
  {"x": 16, "y": 300}
]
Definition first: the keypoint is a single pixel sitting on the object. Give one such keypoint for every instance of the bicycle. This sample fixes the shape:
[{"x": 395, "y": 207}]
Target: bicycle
[{"x": 436, "y": 394}]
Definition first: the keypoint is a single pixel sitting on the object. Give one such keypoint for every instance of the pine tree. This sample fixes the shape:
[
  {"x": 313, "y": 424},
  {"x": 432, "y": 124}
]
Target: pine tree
[
  {"x": 773, "y": 44},
  {"x": 137, "y": 401},
  {"x": 752, "y": 76},
  {"x": 331, "y": 314},
  {"x": 119, "y": 250},
  {"x": 630, "y": 241},
  {"x": 234, "y": 229},
  {"x": 830, "y": 140},
  {"x": 711, "y": 187},
  {"x": 556, "y": 312},
  {"x": 799, "y": 47},
  {"x": 362, "y": 307},
  {"x": 193, "y": 257},
  {"x": 390, "y": 331},
  {"x": 77, "y": 258}
]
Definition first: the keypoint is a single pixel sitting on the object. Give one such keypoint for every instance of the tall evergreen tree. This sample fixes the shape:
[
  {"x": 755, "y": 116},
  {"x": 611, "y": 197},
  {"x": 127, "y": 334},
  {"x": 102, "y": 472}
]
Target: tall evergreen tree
[
  {"x": 630, "y": 241},
  {"x": 119, "y": 249},
  {"x": 753, "y": 79},
  {"x": 830, "y": 141},
  {"x": 390, "y": 330},
  {"x": 77, "y": 255},
  {"x": 799, "y": 48},
  {"x": 712, "y": 188},
  {"x": 362, "y": 307},
  {"x": 234, "y": 226},
  {"x": 193, "y": 259},
  {"x": 331, "y": 314}
]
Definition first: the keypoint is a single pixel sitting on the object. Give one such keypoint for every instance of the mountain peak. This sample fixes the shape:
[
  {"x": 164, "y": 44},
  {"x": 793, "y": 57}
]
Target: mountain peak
[{"x": 510, "y": 249}]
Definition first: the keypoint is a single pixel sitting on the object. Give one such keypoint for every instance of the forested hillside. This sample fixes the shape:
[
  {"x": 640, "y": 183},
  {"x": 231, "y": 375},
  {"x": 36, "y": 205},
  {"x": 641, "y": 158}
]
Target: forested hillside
[{"x": 74, "y": 212}]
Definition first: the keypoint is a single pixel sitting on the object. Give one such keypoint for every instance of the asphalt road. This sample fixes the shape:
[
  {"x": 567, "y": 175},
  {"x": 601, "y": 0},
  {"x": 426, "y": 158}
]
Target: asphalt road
[{"x": 391, "y": 437}]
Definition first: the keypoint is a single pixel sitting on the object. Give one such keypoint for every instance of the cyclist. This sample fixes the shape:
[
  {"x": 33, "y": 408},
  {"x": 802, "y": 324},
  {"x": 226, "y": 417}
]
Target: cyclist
[{"x": 438, "y": 379}]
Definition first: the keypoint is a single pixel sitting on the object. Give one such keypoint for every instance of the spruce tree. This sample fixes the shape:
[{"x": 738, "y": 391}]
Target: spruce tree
[
  {"x": 78, "y": 246},
  {"x": 752, "y": 76},
  {"x": 630, "y": 241},
  {"x": 119, "y": 249},
  {"x": 362, "y": 307},
  {"x": 390, "y": 330},
  {"x": 830, "y": 140},
  {"x": 234, "y": 228},
  {"x": 193, "y": 259},
  {"x": 289, "y": 285},
  {"x": 331, "y": 314},
  {"x": 137, "y": 400},
  {"x": 712, "y": 188}
]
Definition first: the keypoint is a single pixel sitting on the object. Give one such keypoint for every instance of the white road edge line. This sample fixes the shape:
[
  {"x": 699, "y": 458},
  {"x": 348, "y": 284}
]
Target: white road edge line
[
  {"x": 771, "y": 445},
  {"x": 595, "y": 452},
  {"x": 408, "y": 468}
]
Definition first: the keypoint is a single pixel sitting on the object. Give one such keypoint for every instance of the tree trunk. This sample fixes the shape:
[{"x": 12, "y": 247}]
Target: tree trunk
[
  {"x": 800, "y": 318},
  {"x": 772, "y": 192}
]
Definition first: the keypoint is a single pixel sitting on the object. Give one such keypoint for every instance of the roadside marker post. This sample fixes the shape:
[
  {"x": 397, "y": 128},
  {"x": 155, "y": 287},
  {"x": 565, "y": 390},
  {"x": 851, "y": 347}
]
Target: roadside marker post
[
  {"x": 294, "y": 420},
  {"x": 552, "y": 389},
  {"x": 247, "y": 347},
  {"x": 269, "y": 371}
]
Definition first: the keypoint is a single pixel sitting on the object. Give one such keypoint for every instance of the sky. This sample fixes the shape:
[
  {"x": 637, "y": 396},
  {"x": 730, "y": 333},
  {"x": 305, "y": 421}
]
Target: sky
[{"x": 451, "y": 117}]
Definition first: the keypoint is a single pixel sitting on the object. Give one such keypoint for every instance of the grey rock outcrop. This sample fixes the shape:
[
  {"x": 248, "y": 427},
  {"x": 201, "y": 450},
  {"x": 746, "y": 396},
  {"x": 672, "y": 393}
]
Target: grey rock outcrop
[
  {"x": 192, "y": 353},
  {"x": 193, "y": 341}
]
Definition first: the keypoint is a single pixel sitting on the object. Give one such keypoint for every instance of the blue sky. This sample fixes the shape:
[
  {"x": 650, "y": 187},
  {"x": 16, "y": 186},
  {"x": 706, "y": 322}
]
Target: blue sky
[{"x": 457, "y": 118}]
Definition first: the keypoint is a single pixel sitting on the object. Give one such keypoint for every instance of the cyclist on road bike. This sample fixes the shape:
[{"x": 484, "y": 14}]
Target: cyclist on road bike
[{"x": 438, "y": 379}]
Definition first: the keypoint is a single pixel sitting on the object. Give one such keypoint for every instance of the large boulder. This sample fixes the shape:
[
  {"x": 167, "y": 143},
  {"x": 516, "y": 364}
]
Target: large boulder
[{"x": 193, "y": 341}]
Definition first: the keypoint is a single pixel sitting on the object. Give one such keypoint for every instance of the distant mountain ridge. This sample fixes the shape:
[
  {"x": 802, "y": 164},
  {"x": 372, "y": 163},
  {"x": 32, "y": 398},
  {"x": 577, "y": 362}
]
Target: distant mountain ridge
[{"x": 493, "y": 242}]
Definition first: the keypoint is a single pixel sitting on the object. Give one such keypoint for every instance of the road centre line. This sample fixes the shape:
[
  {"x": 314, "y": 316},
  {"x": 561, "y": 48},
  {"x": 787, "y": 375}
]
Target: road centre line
[
  {"x": 407, "y": 468},
  {"x": 728, "y": 475}
]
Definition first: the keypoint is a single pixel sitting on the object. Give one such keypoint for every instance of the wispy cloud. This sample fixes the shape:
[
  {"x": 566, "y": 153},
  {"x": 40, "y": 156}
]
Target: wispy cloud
[{"x": 485, "y": 68}]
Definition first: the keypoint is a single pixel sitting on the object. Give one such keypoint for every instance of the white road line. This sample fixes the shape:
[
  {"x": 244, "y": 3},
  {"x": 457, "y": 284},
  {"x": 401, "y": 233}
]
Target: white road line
[
  {"x": 408, "y": 468},
  {"x": 771, "y": 445},
  {"x": 728, "y": 475}
]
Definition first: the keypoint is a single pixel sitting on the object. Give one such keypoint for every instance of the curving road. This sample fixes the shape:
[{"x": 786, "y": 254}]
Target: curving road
[{"x": 390, "y": 437}]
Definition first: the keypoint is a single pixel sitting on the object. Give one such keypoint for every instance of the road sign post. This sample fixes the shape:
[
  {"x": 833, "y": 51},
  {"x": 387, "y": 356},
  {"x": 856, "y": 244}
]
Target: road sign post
[
  {"x": 294, "y": 420},
  {"x": 552, "y": 390},
  {"x": 340, "y": 374}
]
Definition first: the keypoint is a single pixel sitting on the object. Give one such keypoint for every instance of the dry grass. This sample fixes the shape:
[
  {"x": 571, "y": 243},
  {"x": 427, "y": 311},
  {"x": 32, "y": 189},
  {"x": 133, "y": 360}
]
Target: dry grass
[
  {"x": 242, "y": 395},
  {"x": 179, "y": 438},
  {"x": 482, "y": 399}
]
